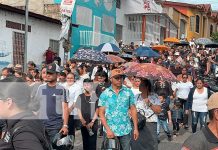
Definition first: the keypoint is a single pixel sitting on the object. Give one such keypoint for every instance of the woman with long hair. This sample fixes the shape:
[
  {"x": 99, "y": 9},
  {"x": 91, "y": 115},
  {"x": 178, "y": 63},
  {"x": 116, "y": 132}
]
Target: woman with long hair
[
  {"x": 197, "y": 101},
  {"x": 149, "y": 104}
]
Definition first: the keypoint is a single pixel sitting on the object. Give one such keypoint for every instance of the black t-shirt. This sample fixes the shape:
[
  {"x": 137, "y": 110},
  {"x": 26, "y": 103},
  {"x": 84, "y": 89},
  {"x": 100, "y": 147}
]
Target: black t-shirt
[
  {"x": 87, "y": 106},
  {"x": 164, "y": 109}
]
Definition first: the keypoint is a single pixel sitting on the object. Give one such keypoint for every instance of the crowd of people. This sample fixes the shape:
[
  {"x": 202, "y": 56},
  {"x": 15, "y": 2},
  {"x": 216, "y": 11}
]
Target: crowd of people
[{"x": 101, "y": 101}]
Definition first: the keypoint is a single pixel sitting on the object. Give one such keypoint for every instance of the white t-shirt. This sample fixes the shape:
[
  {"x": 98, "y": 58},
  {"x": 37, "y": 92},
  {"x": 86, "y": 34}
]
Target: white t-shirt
[
  {"x": 135, "y": 91},
  {"x": 183, "y": 89},
  {"x": 200, "y": 101},
  {"x": 74, "y": 91}
]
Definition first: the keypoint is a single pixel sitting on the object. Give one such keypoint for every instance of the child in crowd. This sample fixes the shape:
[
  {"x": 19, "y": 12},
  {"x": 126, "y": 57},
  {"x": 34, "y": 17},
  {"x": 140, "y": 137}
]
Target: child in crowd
[
  {"x": 177, "y": 114},
  {"x": 163, "y": 116}
]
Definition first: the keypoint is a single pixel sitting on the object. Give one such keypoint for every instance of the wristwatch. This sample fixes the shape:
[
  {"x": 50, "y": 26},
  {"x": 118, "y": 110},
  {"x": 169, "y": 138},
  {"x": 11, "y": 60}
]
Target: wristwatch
[
  {"x": 66, "y": 126},
  {"x": 92, "y": 121}
]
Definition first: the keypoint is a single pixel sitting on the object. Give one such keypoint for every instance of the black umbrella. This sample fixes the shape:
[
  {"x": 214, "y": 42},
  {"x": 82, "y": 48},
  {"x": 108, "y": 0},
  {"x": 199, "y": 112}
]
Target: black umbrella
[
  {"x": 212, "y": 45},
  {"x": 182, "y": 43}
]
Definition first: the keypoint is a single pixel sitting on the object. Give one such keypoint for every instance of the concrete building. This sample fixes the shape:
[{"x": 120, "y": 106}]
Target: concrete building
[
  {"x": 143, "y": 20},
  {"x": 43, "y": 32},
  {"x": 194, "y": 21}
]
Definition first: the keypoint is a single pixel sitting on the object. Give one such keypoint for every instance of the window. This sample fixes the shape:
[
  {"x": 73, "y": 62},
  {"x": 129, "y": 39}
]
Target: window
[
  {"x": 211, "y": 30},
  {"x": 84, "y": 16},
  {"x": 192, "y": 23},
  {"x": 118, "y": 4},
  {"x": 197, "y": 27},
  {"x": 54, "y": 44},
  {"x": 108, "y": 24},
  {"x": 18, "y": 48}
]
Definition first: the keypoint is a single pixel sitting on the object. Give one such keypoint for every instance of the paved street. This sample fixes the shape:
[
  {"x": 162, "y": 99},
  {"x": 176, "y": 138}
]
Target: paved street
[{"x": 164, "y": 144}]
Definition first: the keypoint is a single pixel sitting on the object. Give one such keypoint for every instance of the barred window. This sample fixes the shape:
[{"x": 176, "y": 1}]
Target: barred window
[
  {"x": 84, "y": 16},
  {"x": 108, "y": 24},
  {"x": 54, "y": 44},
  {"x": 197, "y": 28},
  {"x": 192, "y": 23},
  {"x": 211, "y": 30}
]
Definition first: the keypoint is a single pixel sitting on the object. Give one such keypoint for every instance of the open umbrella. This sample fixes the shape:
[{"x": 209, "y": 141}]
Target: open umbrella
[
  {"x": 151, "y": 71},
  {"x": 161, "y": 48},
  {"x": 125, "y": 55},
  {"x": 115, "y": 59},
  {"x": 171, "y": 40},
  {"x": 88, "y": 55},
  {"x": 143, "y": 51},
  {"x": 203, "y": 41},
  {"x": 108, "y": 47},
  {"x": 212, "y": 45},
  {"x": 182, "y": 43}
]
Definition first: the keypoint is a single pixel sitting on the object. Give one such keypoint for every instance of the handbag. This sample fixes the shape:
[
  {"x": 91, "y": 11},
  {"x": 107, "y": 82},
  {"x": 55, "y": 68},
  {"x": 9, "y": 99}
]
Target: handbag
[{"x": 141, "y": 117}]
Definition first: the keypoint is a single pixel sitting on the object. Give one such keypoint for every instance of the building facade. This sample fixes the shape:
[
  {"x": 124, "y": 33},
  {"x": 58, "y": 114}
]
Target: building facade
[
  {"x": 97, "y": 23},
  {"x": 194, "y": 21},
  {"x": 143, "y": 20},
  {"x": 43, "y": 32}
]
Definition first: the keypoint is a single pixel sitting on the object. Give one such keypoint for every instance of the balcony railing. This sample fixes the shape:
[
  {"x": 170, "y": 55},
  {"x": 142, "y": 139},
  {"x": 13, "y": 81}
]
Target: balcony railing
[{"x": 90, "y": 38}]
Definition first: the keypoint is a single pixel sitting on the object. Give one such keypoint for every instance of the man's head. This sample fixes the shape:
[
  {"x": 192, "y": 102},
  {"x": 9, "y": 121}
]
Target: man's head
[
  {"x": 137, "y": 82},
  {"x": 184, "y": 71},
  {"x": 14, "y": 96},
  {"x": 62, "y": 77},
  {"x": 162, "y": 97},
  {"x": 52, "y": 71},
  {"x": 184, "y": 78},
  {"x": 212, "y": 105},
  {"x": 5, "y": 72},
  {"x": 88, "y": 85},
  {"x": 117, "y": 77}
]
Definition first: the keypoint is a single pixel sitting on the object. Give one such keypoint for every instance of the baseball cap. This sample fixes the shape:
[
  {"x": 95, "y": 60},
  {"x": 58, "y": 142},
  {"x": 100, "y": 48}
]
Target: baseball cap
[
  {"x": 213, "y": 101},
  {"x": 53, "y": 68},
  {"x": 116, "y": 72}
]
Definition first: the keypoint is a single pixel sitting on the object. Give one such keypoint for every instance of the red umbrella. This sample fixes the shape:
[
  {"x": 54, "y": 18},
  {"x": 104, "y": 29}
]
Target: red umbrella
[
  {"x": 151, "y": 71},
  {"x": 115, "y": 59}
]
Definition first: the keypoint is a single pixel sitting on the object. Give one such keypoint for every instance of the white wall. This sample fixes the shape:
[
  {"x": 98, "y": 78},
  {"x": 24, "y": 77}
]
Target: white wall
[
  {"x": 38, "y": 38},
  {"x": 133, "y": 7}
]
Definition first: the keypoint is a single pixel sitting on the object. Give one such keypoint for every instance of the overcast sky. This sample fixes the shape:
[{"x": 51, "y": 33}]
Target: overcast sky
[{"x": 214, "y": 3}]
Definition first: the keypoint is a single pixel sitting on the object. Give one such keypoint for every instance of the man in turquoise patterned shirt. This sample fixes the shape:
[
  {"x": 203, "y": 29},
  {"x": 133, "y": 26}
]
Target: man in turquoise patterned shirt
[{"x": 114, "y": 105}]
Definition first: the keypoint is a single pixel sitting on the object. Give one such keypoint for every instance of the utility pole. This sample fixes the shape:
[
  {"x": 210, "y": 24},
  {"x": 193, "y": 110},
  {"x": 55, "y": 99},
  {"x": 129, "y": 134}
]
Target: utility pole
[{"x": 26, "y": 33}]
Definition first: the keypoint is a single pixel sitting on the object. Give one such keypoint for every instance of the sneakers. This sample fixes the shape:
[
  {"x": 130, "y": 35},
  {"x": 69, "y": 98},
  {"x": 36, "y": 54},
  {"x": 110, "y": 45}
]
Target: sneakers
[
  {"x": 186, "y": 127},
  {"x": 170, "y": 138}
]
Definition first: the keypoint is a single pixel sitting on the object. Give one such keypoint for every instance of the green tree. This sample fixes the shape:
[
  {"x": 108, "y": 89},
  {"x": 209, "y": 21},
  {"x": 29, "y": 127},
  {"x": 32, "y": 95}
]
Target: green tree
[{"x": 215, "y": 36}]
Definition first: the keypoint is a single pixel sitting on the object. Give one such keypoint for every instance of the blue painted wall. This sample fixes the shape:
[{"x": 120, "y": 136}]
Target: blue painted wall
[{"x": 98, "y": 11}]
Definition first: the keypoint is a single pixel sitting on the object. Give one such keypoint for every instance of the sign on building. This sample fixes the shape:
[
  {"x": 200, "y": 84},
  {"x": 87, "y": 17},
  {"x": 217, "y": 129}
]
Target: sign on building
[{"x": 67, "y": 7}]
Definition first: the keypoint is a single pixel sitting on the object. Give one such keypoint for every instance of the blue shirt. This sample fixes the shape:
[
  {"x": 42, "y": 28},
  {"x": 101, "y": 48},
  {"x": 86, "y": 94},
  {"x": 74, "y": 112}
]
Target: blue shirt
[{"x": 117, "y": 106}]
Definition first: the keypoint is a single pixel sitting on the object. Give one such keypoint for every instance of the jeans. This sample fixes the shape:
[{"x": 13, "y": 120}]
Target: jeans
[
  {"x": 195, "y": 117},
  {"x": 123, "y": 140},
  {"x": 176, "y": 123},
  {"x": 164, "y": 125},
  {"x": 184, "y": 105}
]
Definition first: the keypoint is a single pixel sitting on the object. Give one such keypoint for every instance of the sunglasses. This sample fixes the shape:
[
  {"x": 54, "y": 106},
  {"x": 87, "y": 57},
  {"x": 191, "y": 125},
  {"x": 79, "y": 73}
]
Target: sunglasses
[{"x": 119, "y": 78}]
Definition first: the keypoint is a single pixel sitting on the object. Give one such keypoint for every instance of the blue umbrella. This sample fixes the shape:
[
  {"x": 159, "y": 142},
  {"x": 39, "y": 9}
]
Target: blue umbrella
[
  {"x": 143, "y": 51},
  {"x": 88, "y": 55},
  {"x": 108, "y": 47},
  {"x": 125, "y": 55}
]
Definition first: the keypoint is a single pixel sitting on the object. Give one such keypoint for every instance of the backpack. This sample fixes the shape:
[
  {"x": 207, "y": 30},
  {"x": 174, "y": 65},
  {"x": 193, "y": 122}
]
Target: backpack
[{"x": 33, "y": 128}]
